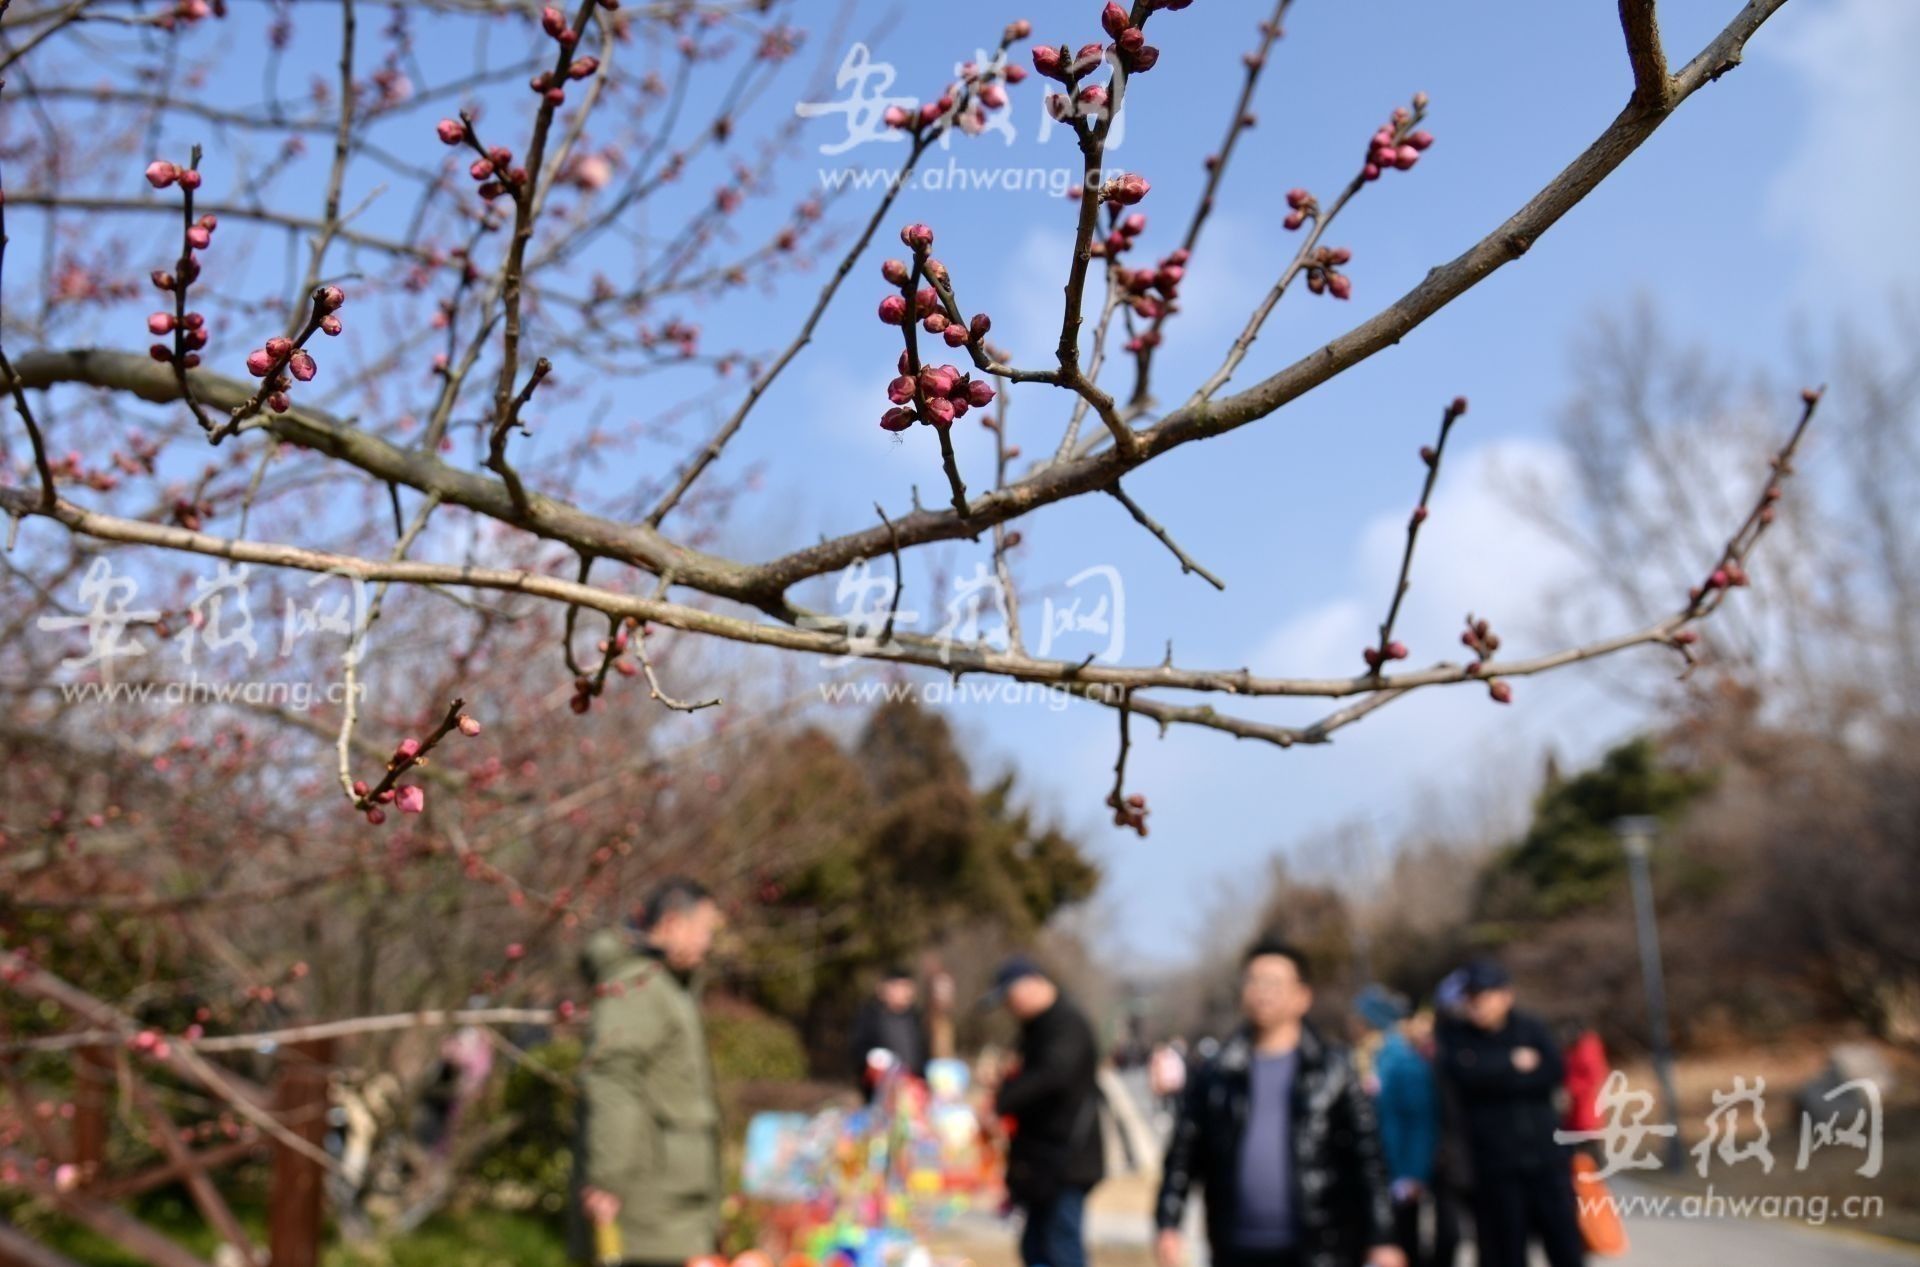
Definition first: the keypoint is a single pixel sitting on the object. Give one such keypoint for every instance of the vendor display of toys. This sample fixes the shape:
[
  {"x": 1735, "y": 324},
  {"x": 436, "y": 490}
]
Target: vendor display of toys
[{"x": 860, "y": 1188}]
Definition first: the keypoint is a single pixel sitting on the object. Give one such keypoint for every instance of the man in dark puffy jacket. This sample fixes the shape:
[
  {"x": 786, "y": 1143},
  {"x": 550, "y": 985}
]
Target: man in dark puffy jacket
[
  {"x": 1057, "y": 1156},
  {"x": 1280, "y": 1135},
  {"x": 1506, "y": 1069}
]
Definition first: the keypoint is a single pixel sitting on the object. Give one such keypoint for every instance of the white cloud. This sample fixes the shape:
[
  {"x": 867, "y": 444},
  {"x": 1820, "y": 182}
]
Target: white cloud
[{"x": 1849, "y": 186}]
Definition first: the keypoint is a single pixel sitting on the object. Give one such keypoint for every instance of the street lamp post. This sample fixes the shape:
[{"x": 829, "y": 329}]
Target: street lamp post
[{"x": 1636, "y": 835}]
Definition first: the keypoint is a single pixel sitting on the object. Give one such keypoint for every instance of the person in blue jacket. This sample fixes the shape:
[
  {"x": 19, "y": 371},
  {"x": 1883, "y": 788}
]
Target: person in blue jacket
[{"x": 1408, "y": 1107}]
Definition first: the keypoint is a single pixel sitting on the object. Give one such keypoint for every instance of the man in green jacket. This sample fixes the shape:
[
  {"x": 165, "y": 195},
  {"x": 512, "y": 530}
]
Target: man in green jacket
[{"x": 648, "y": 1163}]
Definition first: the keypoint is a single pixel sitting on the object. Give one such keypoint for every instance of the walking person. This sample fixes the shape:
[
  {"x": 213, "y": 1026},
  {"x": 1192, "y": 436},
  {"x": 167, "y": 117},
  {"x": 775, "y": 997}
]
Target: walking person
[
  {"x": 1280, "y": 1136},
  {"x": 647, "y": 1165},
  {"x": 889, "y": 1032},
  {"x": 1506, "y": 1069},
  {"x": 1408, "y": 1103},
  {"x": 1057, "y": 1155}
]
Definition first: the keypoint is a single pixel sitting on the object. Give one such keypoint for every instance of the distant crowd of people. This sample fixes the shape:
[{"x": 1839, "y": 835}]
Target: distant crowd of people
[{"x": 1304, "y": 1151}]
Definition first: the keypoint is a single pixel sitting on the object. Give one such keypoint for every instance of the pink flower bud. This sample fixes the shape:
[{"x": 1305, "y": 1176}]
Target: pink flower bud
[
  {"x": 1126, "y": 190},
  {"x": 1113, "y": 19},
  {"x": 360, "y": 787},
  {"x": 979, "y": 326},
  {"x": 198, "y": 238},
  {"x": 408, "y": 748},
  {"x": 1094, "y": 98},
  {"x": 938, "y": 380},
  {"x": 279, "y": 402},
  {"x": 330, "y": 324},
  {"x": 935, "y": 322},
  {"x": 955, "y": 336},
  {"x": 1420, "y": 140},
  {"x": 897, "y": 117},
  {"x": 481, "y": 168},
  {"x": 893, "y": 310},
  {"x": 1371, "y": 171},
  {"x": 1015, "y": 74},
  {"x": 979, "y": 393},
  {"x": 926, "y": 300},
  {"x": 188, "y": 178},
  {"x": 451, "y": 131},
  {"x": 1046, "y": 59},
  {"x": 376, "y": 816},
  {"x": 260, "y": 362},
  {"x": 940, "y": 412},
  {"x": 1089, "y": 56},
  {"x": 515, "y": 950},
  {"x": 1405, "y": 157},
  {"x": 895, "y": 271},
  {"x": 552, "y": 21},
  {"x": 1295, "y": 219},
  {"x": 1396, "y": 651},
  {"x": 468, "y": 726},
  {"x": 1144, "y": 60},
  {"x": 160, "y": 323},
  {"x": 1459, "y": 406},
  {"x": 1501, "y": 692},
  {"x": 897, "y": 419},
  {"x": 160, "y": 173},
  {"x": 160, "y": 352},
  {"x": 411, "y": 799},
  {"x": 1018, "y": 29},
  {"x": 900, "y": 390},
  {"x": 918, "y": 236},
  {"x": 583, "y": 67}
]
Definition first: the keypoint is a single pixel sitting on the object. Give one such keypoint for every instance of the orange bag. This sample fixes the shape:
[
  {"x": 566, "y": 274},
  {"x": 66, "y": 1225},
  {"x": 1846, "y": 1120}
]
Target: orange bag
[{"x": 1600, "y": 1223}]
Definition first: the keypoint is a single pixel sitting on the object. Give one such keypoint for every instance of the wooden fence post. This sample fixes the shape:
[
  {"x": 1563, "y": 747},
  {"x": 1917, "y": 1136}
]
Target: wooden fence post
[
  {"x": 92, "y": 1086},
  {"x": 294, "y": 1207}
]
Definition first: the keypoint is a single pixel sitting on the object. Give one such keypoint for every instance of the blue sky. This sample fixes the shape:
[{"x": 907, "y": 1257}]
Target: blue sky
[
  {"x": 1776, "y": 199},
  {"x": 1766, "y": 203}
]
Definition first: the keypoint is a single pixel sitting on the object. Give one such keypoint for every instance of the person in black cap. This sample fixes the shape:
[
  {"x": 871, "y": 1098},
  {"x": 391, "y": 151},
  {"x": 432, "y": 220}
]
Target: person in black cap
[
  {"x": 889, "y": 1022},
  {"x": 1505, "y": 1068},
  {"x": 1057, "y": 1155}
]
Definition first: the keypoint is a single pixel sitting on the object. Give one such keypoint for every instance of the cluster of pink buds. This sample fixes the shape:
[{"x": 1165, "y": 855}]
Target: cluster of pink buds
[
  {"x": 150, "y": 1042},
  {"x": 1397, "y": 144},
  {"x": 1130, "y": 811},
  {"x": 282, "y": 360},
  {"x": 937, "y": 395},
  {"x": 1729, "y": 575},
  {"x": 1130, "y": 45},
  {"x": 549, "y": 85},
  {"x": 1121, "y": 234},
  {"x": 1324, "y": 275},
  {"x": 965, "y": 102},
  {"x": 1302, "y": 206},
  {"x": 161, "y": 174},
  {"x": 495, "y": 173},
  {"x": 1480, "y": 639},
  {"x": 192, "y": 328},
  {"x": 187, "y": 12},
  {"x": 1375, "y": 658}
]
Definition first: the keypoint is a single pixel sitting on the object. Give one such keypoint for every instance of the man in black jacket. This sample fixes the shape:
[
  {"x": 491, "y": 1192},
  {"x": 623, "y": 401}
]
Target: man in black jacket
[
  {"x": 889, "y": 1021},
  {"x": 1057, "y": 1156},
  {"x": 1280, "y": 1135},
  {"x": 1505, "y": 1067}
]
